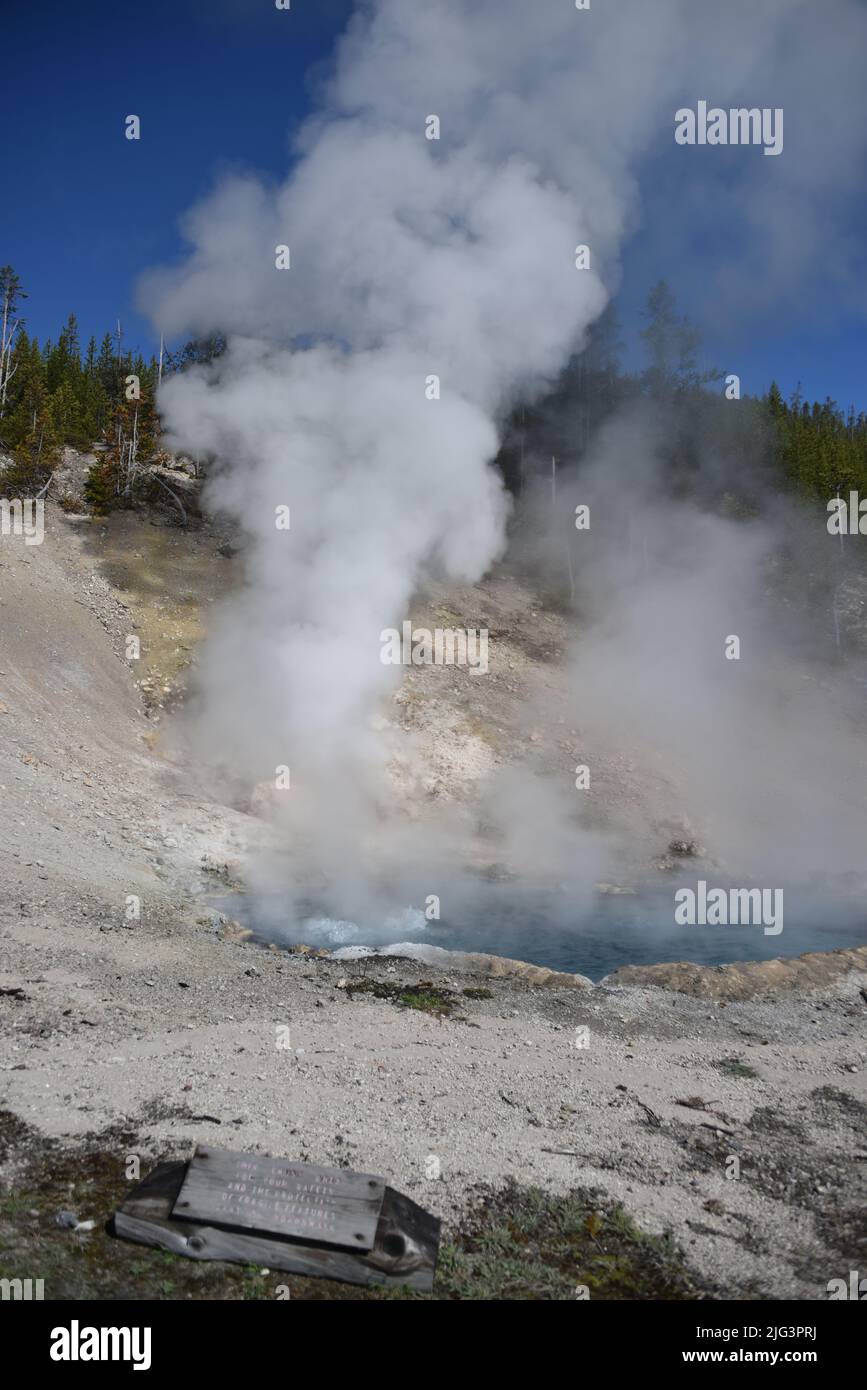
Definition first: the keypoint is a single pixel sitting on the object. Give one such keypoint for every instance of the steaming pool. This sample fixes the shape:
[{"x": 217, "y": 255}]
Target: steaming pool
[{"x": 619, "y": 930}]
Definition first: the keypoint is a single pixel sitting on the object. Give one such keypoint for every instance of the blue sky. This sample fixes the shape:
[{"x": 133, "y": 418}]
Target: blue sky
[
  {"x": 218, "y": 84},
  {"x": 222, "y": 84}
]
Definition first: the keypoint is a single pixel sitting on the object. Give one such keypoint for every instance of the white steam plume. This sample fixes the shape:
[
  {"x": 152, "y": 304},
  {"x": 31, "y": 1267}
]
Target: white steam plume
[{"x": 410, "y": 257}]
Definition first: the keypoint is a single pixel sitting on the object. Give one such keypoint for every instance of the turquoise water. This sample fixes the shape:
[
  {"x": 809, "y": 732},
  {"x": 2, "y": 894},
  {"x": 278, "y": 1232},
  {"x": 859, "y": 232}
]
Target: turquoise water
[
  {"x": 639, "y": 931},
  {"x": 544, "y": 929}
]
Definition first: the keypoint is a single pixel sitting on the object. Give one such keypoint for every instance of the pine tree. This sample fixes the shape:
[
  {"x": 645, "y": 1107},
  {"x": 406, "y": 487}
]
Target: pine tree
[
  {"x": 34, "y": 458},
  {"x": 28, "y": 391},
  {"x": 93, "y": 404},
  {"x": 65, "y": 411},
  {"x": 107, "y": 367},
  {"x": 131, "y": 436},
  {"x": 660, "y": 337},
  {"x": 776, "y": 405}
]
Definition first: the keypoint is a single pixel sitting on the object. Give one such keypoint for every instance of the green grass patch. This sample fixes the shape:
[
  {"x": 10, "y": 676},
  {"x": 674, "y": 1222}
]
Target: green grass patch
[
  {"x": 424, "y": 996},
  {"x": 733, "y": 1066},
  {"x": 528, "y": 1245}
]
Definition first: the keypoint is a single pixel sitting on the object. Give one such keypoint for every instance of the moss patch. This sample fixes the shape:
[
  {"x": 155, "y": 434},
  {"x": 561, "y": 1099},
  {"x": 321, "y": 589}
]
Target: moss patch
[
  {"x": 733, "y": 1066},
  {"x": 526, "y": 1244},
  {"x": 424, "y": 996}
]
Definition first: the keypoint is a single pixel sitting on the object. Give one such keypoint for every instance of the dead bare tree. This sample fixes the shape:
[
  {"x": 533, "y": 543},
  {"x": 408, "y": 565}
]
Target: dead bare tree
[
  {"x": 11, "y": 292},
  {"x": 174, "y": 497}
]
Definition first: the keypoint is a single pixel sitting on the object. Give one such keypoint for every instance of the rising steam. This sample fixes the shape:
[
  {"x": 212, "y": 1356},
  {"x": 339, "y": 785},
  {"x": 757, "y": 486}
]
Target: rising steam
[{"x": 412, "y": 258}]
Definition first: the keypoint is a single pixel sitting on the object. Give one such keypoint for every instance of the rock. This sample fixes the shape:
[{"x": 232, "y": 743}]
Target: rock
[
  {"x": 233, "y": 931},
  {"x": 687, "y": 849},
  {"x": 745, "y": 979}
]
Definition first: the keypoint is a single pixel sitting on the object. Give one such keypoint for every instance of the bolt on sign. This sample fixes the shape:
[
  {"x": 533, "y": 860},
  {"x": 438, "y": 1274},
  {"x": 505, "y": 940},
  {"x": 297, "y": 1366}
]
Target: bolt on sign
[{"x": 300, "y": 1217}]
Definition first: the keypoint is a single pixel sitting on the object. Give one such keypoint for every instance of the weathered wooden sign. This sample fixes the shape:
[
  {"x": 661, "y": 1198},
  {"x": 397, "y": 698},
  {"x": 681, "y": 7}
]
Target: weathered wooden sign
[
  {"x": 299, "y": 1217},
  {"x": 327, "y": 1205}
]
